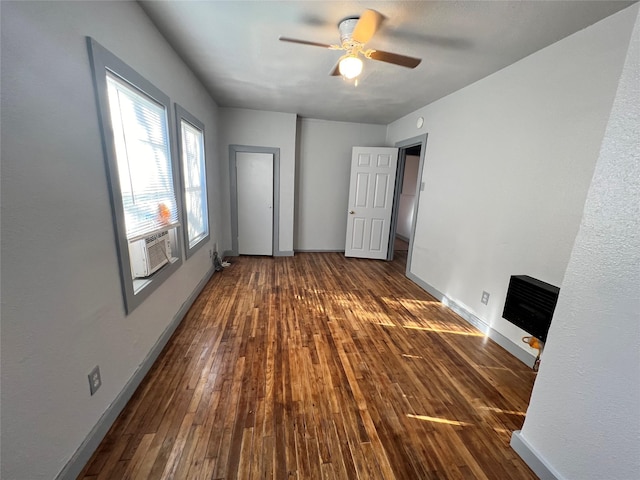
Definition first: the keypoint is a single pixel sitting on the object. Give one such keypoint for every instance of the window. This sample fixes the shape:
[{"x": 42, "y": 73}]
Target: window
[
  {"x": 194, "y": 180},
  {"x": 144, "y": 161},
  {"x": 135, "y": 121}
]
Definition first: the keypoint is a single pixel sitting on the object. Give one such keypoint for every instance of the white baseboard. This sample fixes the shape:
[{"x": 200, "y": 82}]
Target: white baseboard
[
  {"x": 319, "y": 250},
  {"x": 511, "y": 347},
  {"x": 279, "y": 253},
  {"x": 532, "y": 458},
  {"x": 522, "y": 355},
  {"x": 80, "y": 458}
]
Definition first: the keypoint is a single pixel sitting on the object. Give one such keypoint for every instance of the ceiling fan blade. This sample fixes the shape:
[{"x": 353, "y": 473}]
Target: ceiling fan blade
[
  {"x": 336, "y": 70},
  {"x": 304, "y": 42},
  {"x": 396, "y": 59},
  {"x": 367, "y": 26}
]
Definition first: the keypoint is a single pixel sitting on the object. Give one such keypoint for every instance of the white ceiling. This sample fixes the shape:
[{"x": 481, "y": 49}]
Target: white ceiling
[{"x": 234, "y": 49}]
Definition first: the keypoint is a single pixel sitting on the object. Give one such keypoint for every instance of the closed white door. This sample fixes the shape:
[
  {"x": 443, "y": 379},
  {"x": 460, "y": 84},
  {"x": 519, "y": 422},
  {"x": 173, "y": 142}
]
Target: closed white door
[
  {"x": 372, "y": 184},
  {"x": 254, "y": 180}
]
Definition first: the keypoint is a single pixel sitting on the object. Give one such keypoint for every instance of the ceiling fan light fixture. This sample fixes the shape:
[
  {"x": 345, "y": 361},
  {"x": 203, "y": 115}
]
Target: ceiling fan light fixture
[
  {"x": 355, "y": 32},
  {"x": 350, "y": 67}
]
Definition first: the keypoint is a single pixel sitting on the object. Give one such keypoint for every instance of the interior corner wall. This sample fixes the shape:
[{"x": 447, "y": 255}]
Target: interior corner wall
[
  {"x": 322, "y": 185},
  {"x": 259, "y": 128},
  {"x": 508, "y": 163},
  {"x": 583, "y": 417},
  {"x": 62, "y": 304}
]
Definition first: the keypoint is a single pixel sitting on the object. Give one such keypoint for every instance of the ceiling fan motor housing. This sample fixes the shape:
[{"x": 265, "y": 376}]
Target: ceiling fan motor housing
[{"x": 346, "y": 27}]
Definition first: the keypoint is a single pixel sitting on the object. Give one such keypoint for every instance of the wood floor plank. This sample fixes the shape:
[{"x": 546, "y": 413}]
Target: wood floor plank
[{"x": 319, "y": 366}]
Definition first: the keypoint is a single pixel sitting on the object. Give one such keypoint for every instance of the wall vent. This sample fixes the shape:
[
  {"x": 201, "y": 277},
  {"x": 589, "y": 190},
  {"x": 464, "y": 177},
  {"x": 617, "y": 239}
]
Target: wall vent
[{"x": 530, "y": 304}]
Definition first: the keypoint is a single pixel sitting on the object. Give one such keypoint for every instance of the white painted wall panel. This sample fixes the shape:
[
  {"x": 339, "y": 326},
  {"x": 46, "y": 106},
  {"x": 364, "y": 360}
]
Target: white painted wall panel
[{"x": 322, "y": 185}]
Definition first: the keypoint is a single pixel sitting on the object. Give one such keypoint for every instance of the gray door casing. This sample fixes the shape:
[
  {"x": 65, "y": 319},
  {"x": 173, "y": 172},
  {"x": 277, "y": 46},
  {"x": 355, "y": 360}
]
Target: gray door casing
[{"x": 233, "y": 149}]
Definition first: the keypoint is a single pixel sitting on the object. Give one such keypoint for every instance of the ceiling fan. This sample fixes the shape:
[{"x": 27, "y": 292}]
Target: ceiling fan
[{"x": 354, "y": 33}]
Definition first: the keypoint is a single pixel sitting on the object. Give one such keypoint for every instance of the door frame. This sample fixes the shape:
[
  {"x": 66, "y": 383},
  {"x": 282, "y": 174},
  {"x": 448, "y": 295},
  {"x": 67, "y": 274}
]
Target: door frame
[
  {"x": 403, "y": 146},
  {"x": 233, "y": 150}
]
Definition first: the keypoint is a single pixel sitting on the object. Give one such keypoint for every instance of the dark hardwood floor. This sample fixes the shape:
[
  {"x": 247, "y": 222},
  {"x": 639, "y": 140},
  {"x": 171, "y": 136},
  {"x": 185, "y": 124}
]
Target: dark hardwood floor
[{"x": 319, "y": 366}]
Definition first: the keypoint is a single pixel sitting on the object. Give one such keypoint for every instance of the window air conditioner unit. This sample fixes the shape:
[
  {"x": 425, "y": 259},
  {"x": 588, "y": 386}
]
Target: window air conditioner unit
[{"x": 149, "y": 254}]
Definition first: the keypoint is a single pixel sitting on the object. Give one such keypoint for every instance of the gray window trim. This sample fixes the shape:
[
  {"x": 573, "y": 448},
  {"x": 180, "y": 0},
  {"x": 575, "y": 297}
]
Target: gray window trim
[
  {"x": 233, "y": 149},
  {"x": 102, "y": 60},
  {"x": 183, "y": 114}
]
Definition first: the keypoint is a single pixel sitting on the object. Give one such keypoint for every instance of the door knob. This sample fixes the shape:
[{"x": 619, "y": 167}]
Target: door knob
[{"x": 351, "y": 212}]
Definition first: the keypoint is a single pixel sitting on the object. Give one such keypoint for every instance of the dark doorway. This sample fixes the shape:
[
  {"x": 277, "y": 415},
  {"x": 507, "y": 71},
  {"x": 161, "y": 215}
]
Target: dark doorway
[{"x": 410, "y": 162}]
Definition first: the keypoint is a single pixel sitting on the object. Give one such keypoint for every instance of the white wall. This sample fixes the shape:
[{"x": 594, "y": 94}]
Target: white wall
[
  {"x": 322, "y": 186},
  {"x": 260, "y": 129},
  {"x": 584, "y": 415},
  {"x": 408, "y": 196},
  {"x": 508, "y": 163},
  {"x": 62, "y": 306}
]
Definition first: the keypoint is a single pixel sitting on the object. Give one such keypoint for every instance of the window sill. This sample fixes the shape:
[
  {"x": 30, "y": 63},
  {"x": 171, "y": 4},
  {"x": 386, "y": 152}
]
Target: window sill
[{"x": 140, "y": 283}]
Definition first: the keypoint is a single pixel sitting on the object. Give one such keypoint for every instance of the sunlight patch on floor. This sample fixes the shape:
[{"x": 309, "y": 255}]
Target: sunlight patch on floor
[
  {"x": 503, "y": 430},
  {"x": 440, "y": 420},
  {"x": 411, "y": 356},
  {"x": 418, "y": 303},
  {"x": 411, "y": 304},
  {"x": 499, "y": 410},
  {"x": 440, "y": 330}
]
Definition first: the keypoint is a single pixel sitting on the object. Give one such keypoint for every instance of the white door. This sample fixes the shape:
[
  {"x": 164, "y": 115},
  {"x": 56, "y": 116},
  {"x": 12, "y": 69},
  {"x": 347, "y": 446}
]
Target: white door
[
  {"x": 254, "y": 180},
  {"x": 373, "y": 177}
]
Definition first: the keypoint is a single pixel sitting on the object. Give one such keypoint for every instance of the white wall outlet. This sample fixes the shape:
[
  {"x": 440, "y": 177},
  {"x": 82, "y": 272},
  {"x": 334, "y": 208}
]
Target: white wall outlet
[
  {"x": 95, "y": 382},
  {"x": 485, "y": 297}
]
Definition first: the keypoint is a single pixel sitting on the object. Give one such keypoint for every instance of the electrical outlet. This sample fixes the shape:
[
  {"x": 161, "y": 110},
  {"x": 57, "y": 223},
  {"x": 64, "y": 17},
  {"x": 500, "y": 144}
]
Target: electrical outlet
[
  {"x": 211, "y": 253},
  {"x": 95, "y": 382},
  {"x": 485, "y": 297}
]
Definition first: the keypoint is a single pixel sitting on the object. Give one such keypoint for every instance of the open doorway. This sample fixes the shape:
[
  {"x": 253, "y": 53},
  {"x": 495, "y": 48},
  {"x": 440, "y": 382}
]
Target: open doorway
[
  {"x": 407, "y": 199},
  {"x": 407, "y": 190}
]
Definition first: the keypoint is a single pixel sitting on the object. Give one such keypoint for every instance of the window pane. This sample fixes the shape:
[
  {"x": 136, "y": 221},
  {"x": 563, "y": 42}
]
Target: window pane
[
  {"x": 194, "y": 175},
  {"x": 143, "y": 158}
]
